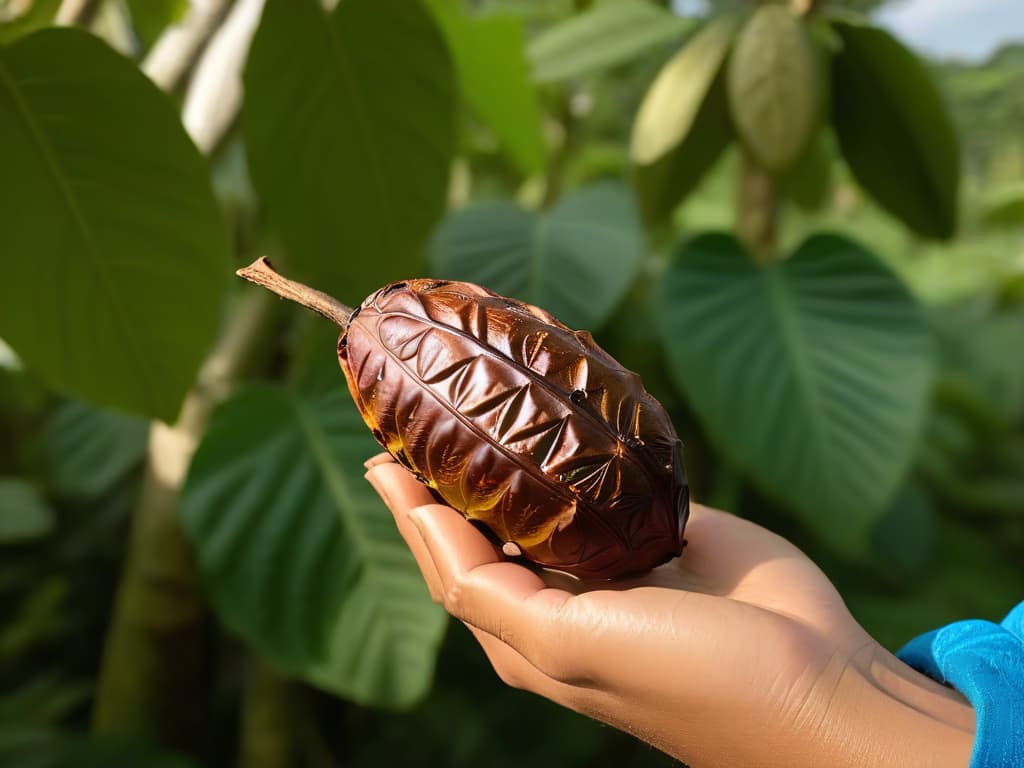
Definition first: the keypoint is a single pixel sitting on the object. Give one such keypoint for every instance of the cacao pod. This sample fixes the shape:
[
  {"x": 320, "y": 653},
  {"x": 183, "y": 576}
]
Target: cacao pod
[{"x": 519, "y": 422}]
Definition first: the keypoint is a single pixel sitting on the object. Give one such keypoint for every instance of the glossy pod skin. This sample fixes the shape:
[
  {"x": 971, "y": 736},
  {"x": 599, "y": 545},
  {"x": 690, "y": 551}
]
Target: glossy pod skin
[{"x": 520, "y": 423}]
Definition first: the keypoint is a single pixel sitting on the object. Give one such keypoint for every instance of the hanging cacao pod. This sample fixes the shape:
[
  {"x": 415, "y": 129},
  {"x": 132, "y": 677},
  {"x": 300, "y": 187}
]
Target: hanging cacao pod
[{"x": 513, "y": 419}]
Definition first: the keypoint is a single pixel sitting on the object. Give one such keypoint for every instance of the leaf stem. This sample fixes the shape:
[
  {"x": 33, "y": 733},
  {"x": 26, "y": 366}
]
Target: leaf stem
[
  {"x": 262, "y": 272},
  {"x": 757, "y": 211}
]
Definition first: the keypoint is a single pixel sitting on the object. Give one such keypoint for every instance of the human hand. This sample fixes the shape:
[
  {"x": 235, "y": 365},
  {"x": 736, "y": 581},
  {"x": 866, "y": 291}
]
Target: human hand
[{"x": 739, "y": 653}]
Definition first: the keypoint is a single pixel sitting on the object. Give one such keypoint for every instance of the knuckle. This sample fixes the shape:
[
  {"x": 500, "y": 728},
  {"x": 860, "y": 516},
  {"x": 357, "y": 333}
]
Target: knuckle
[{"x": 454, "y": 599}]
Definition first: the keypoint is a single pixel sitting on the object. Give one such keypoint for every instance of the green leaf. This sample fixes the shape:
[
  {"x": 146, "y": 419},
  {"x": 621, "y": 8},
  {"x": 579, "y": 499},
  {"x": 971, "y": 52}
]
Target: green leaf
[
  {"x": 1005, "y": 209},
  {"x": 151, "y": 17},
  {"x": 33, "y": 746},
  {"x": 903, "y": 539},
  {"x": 610, "y": 33},
  {"x": 895, "y": 131},
  {"x": 39, "y": 14},
  {"x": 773, "y": 87},
  {"x": 300, "y": 556},
  {"x": 115, "y": 253},
  {"x": 973, "y": 340},
  {"x": 683, "y": 125},
  {"x": 577, "y": 261},
  {"x": 488, "y": 54},
  {"x": 350, "y": 127},
  {"x": 24, "y": 513},
  {"x": 811, "y": 375},
  {"x": 809, "y": 181},
  {"x": 89, "y": 449}
]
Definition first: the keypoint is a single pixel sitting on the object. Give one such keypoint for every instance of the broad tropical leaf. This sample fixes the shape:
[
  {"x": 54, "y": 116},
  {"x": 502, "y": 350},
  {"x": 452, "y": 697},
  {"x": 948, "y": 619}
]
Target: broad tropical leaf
[
  {"x": 577, "y": 261},
  {"x": 353, "y": 165},
  {"x": 24, "y": 513},
  {"x": 683, "y": 124},
  {"x": 895, "y": 131},
  {"x": 492, "y": 69},
  {"x": 773, "y": 87},
  {"x": 108, "y": 220},
  {"x": 809, "y": 181},
  {"x": 89, "y": 449},
  {"x": 610, "y": 33},
  {"x": 811, "y": 374},
  {"x": 300, "y": 556}
]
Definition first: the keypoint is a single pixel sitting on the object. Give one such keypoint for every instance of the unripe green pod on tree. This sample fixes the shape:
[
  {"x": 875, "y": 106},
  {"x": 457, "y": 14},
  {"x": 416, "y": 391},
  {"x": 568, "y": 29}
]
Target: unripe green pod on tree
[{"x": 514, "y": 419}]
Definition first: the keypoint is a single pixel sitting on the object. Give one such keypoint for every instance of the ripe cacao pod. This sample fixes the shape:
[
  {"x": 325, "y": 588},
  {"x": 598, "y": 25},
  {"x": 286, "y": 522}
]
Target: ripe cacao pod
[{"x": 514, "y": 419}]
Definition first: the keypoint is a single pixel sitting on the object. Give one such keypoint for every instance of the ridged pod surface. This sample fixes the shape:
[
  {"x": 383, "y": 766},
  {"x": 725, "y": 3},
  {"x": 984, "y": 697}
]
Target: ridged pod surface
[{"x": 521, "y": 423}]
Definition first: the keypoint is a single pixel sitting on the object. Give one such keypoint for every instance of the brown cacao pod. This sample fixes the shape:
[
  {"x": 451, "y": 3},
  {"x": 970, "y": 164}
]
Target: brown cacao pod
[{"x": 514, "y": 419}]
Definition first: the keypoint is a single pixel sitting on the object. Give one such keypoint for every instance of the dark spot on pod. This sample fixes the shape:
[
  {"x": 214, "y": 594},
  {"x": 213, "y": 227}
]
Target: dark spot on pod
[
  {"x": 402, "y": 459},
  {"x": 578, "y": 396},
  {"x": 394, "y": 287},
  {"x": 343, "y": 347},
  {"x": 634, "y": 442},
  {"x": 379, "y": 437}
]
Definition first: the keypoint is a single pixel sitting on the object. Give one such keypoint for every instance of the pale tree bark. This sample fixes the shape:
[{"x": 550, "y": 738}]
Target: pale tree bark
[
  {"x": 76, "y": 12},
  {"x": 152, "y": 678},
  {"x": 172, "y": 57},
  {"x": 214, "y": 95}
]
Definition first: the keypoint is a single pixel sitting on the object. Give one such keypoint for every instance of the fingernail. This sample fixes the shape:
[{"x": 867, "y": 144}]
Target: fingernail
[{"x": 380, "y": 458}]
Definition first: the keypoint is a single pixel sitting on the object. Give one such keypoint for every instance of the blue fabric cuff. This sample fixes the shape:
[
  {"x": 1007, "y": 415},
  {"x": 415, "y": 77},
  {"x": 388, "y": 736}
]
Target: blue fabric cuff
[{"x": 985, "y": 662}]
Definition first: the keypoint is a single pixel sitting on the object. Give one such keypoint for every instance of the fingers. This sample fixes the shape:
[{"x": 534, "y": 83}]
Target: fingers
[
  {"x": 402, "y": 492},
  {"x": 505, "y": 600},
  {"x": 380, "y": 458}
]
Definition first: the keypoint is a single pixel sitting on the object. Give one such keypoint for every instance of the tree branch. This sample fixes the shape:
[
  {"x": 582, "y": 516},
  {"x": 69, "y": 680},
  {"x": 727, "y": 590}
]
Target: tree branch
[
  {"x": 152, "y": 679},
  {"x": 79, "y": 12},
  {"x": 172, "y": 56},
  {"x": 214, "y": 95}
]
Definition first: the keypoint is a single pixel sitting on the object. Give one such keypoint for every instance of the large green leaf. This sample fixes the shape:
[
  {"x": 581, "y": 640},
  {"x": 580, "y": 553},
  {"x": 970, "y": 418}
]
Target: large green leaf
[
  {"x": 350, "y": 126},
  {"x": 24, "y": 513},
  {"x": 115, "y": 255},
  {"x": 89, "y": 449},
  {"x": 773, "y": 87},
  {"x": 895, "y": 131},
  {"x": 488, "y": 53},
  {"x": 683, "y": 125},
  {"x": 577, "y": 261},
  {"x": 610, "y": 33},
  {"x": 809, "y": 181},
  {"x": 300, "y": 556},
  {"x": 811, "y": 374}
]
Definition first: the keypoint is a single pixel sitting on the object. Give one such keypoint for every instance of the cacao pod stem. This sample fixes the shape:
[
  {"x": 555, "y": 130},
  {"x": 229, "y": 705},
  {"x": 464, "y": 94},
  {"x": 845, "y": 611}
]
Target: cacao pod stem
[{"x": 262, "y": 272}]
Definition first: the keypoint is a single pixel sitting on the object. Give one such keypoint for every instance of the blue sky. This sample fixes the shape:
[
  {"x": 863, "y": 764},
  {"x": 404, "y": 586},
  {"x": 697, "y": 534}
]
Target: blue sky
[{"x": 967, "y": 29}]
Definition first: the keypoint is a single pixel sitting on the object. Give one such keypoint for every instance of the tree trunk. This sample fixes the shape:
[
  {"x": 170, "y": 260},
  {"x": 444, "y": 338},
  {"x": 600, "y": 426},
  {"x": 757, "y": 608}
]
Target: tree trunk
[{"x": 151, "y": 678}]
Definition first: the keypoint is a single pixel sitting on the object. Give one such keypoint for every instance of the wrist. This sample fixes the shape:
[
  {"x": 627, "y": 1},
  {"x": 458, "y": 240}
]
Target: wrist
[{"x": 895, "y": 716}]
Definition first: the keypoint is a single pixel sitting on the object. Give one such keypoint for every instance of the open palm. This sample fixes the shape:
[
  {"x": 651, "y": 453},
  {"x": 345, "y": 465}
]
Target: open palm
[{"x": 741, "y": 652}]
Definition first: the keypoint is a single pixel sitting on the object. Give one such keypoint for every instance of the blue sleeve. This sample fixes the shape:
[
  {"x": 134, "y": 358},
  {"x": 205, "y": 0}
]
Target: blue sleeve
[{"x": 985, "y": 662}]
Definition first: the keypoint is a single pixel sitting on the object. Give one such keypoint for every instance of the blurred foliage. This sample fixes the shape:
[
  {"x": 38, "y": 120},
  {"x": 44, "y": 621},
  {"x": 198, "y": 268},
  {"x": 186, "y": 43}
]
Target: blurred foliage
[{"x": 762, "y": 213}]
